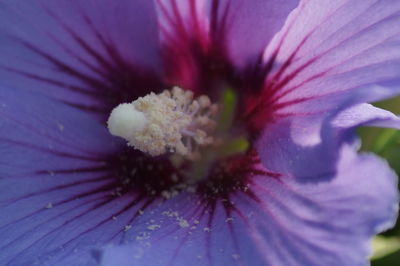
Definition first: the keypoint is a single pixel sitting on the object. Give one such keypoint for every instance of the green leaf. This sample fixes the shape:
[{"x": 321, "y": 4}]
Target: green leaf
[
  {"x": 387, "y": 138},
  {"x": 383, "y": 246},
  {"x": 392, "y": 259},
  {"x": 384, "y": 142}
]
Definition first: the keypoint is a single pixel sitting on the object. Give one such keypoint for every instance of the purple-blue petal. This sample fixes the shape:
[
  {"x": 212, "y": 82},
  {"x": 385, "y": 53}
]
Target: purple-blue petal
[
  {"x": 328, "y": 57},
  {"x": 54, "y": 185},
  {"x": 285, "y": 222},
  {"x": 243, "y": 27},
  {"x": 80, "y": 51},
  {"x": 328, "y": 48},
  {"x": 366, "y": 115},
  {"x": 250, "y": 25},
  {"x": 55, "y": 191},
  {"x": 181, "y": 231},
  {"x": 307, "y": 144},
  {"x": 205, "y": 41}
]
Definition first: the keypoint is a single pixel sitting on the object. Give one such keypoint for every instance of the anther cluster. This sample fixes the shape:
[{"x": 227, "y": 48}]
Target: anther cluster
[{"x": 172, "y": 121}]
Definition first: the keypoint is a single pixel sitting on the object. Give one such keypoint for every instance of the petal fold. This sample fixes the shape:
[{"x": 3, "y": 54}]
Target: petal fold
[{"x": 328, "y": 57}]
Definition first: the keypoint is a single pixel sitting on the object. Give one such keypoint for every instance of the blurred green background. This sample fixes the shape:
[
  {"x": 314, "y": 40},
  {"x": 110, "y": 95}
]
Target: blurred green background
[{"x": 385, "y": 143}]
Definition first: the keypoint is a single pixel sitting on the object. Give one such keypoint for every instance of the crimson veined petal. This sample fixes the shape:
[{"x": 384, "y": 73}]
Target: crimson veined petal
[
  {"x": 65, "y": 194},
  {"x": 92, "y": 55},
  {"x": 209, "y": 41},
  {"x": 327, "y": 57},
  {"x": 265, "y": 229},
  {"x": 328, "y": 48},
  {"x": 52, "y": 175}
]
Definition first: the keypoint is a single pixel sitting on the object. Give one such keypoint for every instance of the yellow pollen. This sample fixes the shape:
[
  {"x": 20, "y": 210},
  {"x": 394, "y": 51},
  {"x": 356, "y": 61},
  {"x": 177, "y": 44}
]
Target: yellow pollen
[{"x": 172, "y": 121}]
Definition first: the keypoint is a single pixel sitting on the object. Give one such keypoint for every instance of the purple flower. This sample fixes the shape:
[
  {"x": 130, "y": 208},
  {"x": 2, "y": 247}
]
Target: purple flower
[{"x": 292, "y": 191}]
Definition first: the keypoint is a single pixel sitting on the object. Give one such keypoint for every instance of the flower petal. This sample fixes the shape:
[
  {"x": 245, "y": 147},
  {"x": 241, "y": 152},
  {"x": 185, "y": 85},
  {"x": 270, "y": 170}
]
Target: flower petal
[
  {"x": 328, "y": 57},
  {"x": 250, "y": 25},
  {"x": 54, "y": 185},
  {"x": 333, "y": 47},
  {"x": 181, "y": 231},
  {"x": 284, "y": 222},
  {"x": 331, "y": 223},
  {"x": 366, "y": 115},
  {"x": 46, "y": 134},
  {"x": 307, "y": 144},
  {"x": 203, "y": 39},
  {"x": 79, "y": 51}
]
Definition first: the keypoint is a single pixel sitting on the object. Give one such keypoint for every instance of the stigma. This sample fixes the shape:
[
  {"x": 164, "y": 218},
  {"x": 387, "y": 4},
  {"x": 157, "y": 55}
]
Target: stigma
[{"x": 170, "y": 122}]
